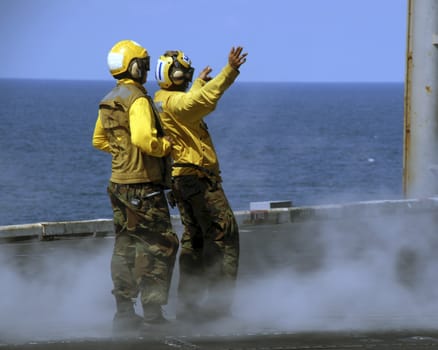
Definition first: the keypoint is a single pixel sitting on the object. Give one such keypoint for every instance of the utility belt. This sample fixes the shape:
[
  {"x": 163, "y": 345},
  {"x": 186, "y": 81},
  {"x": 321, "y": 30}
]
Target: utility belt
[
  {"x": 153, "y": 186},
  {"x": 206, "y": 171},
  {"x": 137, "y": 193}
]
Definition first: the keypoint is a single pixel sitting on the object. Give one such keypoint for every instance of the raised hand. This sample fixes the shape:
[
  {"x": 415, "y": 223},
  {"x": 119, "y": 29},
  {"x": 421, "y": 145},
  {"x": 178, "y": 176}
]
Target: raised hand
[
  {"x": 236, "y": 58},
  {"x": 205, "y": 74}
]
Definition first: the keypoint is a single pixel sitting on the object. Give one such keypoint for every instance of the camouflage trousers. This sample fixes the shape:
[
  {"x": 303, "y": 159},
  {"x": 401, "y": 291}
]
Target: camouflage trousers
[
  {"x": 145, "y": 245},
  {"x": 209, "y": 256}
]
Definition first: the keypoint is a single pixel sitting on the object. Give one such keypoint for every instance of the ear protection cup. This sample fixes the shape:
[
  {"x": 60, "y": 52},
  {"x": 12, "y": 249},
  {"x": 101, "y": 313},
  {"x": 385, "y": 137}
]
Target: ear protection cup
[
  {"x": 177, "y": 76},
  {"x": 135, "y": 70}
]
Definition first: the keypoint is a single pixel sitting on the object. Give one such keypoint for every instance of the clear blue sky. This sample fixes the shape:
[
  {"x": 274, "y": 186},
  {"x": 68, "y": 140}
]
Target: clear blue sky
[{"x": 286, "y": 40}]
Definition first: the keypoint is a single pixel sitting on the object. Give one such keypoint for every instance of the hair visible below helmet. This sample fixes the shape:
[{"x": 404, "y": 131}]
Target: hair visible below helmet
[
  {"x": 173, "y": 70},
  {"x": 128, "y": 58}
]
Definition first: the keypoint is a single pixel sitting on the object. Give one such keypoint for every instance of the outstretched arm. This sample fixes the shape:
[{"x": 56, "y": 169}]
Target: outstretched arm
[
  {"x": 235, "y": 59},
  {"x": 199, "y": 101}
]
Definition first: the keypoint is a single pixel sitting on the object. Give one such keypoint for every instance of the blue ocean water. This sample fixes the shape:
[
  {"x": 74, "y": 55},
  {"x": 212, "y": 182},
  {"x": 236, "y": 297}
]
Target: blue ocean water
[{"x": 311, "y": 143}]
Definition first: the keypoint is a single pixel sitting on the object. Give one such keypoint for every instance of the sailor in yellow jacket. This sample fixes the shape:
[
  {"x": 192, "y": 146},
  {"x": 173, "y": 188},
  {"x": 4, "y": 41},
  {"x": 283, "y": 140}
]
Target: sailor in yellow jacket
[
  {"x": 145, "y": 245},
  {"x": 210, "y": 242}
]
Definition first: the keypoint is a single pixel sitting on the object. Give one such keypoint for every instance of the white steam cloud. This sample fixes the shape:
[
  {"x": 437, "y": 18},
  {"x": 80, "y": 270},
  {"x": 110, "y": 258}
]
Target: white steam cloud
[
  {"x": 52, "y": 291},
  {"x": 368, "y": 274},
  {"x": 356, "y": 274}
]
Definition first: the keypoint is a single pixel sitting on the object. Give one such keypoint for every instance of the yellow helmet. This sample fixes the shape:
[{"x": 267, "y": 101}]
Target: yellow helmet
[
  {"x": 173, "y": 70},
  {"x": 123, "y": 53}
]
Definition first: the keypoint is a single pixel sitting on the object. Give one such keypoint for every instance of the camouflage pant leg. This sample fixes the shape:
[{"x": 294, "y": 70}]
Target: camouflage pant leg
[
  {"x": 210, "y": 243},
  {"x": 145, "y": 246}
]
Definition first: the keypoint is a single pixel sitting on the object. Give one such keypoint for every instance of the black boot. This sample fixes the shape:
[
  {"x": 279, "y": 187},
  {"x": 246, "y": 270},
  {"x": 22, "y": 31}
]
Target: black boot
[{"x": 126, "y": 320}]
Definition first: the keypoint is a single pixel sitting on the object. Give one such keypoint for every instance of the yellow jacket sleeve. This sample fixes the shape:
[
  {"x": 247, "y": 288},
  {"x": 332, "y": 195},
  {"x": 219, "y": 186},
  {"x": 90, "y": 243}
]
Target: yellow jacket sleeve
[
  {"x": 143, "y": 129},
  {"x": 202, "y": 98},
  {"x": 100, "y": 140}
]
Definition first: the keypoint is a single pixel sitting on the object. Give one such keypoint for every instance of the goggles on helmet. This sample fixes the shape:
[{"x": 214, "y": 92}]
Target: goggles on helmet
[{"x": 144, "y": 63}]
